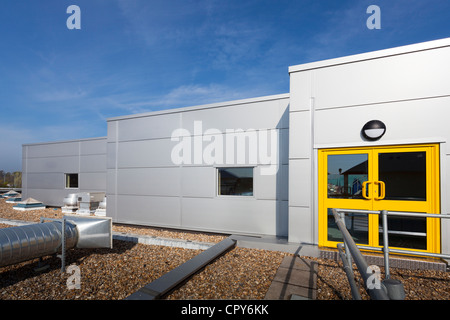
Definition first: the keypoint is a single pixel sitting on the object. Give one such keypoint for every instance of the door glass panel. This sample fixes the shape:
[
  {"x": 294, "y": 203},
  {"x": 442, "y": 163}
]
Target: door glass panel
[
  {"x": 346, "y": 174},
  {"x": 404, "y": 174},
  {"x": 357, "y": 225},
  {"x": 405, "y": 232}
]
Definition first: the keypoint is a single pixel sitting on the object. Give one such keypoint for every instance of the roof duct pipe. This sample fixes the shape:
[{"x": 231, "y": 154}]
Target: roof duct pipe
[{"x": 22, "y": 243}]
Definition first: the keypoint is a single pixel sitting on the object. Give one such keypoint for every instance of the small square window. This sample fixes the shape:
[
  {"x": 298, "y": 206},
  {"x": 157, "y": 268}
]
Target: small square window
[
  {"x": 235, "y": 181},
  {"x": 71, "y": 180}
]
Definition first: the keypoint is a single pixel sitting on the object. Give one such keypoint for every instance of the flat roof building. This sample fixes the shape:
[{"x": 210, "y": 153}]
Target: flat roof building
[{"x": 276, "y": 165}]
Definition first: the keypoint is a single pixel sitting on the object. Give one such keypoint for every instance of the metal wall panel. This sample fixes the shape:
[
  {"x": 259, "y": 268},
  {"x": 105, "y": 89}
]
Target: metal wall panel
[
  {"x": 111, "y": 156},
  {"x": 151, "y": 127},
  {"x": 62, "y": 149},
  {"x": 149, "y": 181},
  {"x": 382, "y": 80},
  {"x": 92, "y": 181},
  {"x": 47, "y": 180},
  {"x": 301, "y": 225},
  {"x": 300, "y": 135},
  {"x": 282, "y": 219},
  {"x": 198, "y": 182},
  {"x": 148, "y": 210},
  {"x": 145, "y": 153},
  {"x": 93, "y": 147},
  {"x": 238, "y": 117},
  {"x": 111, "y": 177},
  {"x": 408, "y": 121},
  {"x": 283, "y": 143},
  {"x": 271, "y": 186},
  {"x": 53, "y": 164},
  {"x": 300, "y": 91},
  {"x": 230, "y": 214},
  {"x": 112, "y": 130},
  {"x": 300, "y": 182},
  {"x": 177, "y": 194},
  {"x": 49, "y": 197},
  {"x": 93, "y": 162},
  {"x": 45, "y": 165}
]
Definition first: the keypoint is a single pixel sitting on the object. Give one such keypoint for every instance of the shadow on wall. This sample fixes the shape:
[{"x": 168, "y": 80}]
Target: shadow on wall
[{"x": 282, "y": 177}]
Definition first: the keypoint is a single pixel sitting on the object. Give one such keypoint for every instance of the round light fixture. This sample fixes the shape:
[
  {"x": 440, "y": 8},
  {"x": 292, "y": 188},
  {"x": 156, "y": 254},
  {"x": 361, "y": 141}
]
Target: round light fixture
[{"x": 373, "y": 130}]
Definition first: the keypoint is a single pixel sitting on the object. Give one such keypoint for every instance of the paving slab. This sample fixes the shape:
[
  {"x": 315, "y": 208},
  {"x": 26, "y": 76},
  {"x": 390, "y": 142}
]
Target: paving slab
[{"x": 296, "y": 279}]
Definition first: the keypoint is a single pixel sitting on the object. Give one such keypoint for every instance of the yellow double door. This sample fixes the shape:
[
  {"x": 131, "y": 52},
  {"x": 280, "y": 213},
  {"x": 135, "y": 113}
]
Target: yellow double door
[{"x": 395, "y": 178}]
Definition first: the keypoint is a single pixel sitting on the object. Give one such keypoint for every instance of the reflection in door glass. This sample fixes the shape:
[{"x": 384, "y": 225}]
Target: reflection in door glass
[
  {"x": 357, "y": 225},
  {"x": 346, "y": 174},
  {"x": 404, "y": 174}
]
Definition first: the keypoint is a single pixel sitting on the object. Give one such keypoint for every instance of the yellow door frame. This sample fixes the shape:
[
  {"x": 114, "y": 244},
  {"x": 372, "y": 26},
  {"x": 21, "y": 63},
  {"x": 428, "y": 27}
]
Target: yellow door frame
[{"x": 375, "y": 189}]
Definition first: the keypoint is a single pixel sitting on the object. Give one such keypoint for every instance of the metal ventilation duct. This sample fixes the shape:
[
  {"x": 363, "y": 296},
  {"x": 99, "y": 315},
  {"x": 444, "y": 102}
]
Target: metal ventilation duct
[{"x": 18, "y": 244}]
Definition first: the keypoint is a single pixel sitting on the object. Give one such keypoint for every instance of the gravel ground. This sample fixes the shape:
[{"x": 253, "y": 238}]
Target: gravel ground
[
  {"x": 115, "y": 274},
  {"x": 332, "y": 282},
  {"x": 240, "y": 274}
]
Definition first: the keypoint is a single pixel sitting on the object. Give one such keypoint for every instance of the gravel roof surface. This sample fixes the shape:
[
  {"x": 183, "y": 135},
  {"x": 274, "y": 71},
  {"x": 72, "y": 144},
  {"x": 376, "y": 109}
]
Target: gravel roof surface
[{"x": 113, "y": 274}]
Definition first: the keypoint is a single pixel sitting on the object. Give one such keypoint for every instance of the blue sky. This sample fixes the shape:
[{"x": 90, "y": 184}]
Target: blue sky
[{"x": 134, "y": 56}]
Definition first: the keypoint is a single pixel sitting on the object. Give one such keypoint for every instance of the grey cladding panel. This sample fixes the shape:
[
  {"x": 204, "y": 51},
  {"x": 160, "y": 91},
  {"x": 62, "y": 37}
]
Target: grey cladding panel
[
  {"x": 149, "y": 181},
  {"x": 93, "y": 181},
  {"x": 198, "y": 181},
  {"x": 45, "y": 181},
  {"x": 49, "y": 197},
  {"x": 91, "y": 147},
  {"x": 148, "y": 127},
  {"x": 259, "y": 115},
  {"x": 53, "y": 164},
  {"x": 230, "y": 215},
  {"x": 162, "y": 211},
  {"x": 53, "y": 149},
  {"x": 372, "y": 81},
  {"x": 110, "y": 181},
  {"x": 146, "y": 153},
  {"x": 93, "y": 163},
  {"x": 111, "y": 155},
  {"x": 271, "y": 186}
]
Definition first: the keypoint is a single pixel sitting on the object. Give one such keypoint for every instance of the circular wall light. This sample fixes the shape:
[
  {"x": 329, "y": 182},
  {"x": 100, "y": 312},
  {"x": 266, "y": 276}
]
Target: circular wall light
[{"x": 373, "y": 130}]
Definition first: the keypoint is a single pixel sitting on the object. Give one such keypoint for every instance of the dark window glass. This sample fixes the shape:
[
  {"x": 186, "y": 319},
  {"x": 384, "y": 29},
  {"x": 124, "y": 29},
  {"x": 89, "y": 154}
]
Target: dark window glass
[
  {"x": 235, "y": 181},
  {"x": 404, "y": 174},
  {"x": 72, "y": 180}
]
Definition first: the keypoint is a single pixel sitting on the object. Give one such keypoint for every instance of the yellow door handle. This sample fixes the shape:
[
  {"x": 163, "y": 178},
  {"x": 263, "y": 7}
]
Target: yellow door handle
[
  {"x": 364, "y": 189},
  {"x": 382, "y": 190}
]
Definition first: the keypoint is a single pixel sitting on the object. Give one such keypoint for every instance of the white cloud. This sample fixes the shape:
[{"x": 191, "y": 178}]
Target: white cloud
[
  {"x": 188, "y": 95},
  {"x": 62, "y": 94}
]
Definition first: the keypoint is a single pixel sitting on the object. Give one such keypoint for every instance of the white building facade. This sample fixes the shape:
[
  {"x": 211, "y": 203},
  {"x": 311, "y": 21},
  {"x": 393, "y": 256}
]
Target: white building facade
[{"x": 276, "y": 165}]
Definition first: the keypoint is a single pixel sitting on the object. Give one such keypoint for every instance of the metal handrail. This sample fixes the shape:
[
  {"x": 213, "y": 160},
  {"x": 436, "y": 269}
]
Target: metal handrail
[
  {"x": 386, "y": 250},
  {"x": 349, "y": 272},
  {"x": 377, "y": 292},
  {"x": 393, "y": 288}
]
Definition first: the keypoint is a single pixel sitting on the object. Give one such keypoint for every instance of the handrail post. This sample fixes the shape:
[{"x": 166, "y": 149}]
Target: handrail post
[
  {"x": 385, "y": 243},
  {"x": 347, "y": 252}
]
